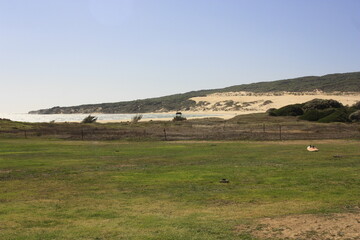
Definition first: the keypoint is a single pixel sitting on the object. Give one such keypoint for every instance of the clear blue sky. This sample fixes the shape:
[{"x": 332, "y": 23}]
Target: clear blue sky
[{"x": 70, "y": 52}]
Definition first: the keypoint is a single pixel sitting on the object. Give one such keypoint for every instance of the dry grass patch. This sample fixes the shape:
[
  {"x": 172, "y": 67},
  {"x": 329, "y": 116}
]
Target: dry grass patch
[{"x": 316, "y": 227}]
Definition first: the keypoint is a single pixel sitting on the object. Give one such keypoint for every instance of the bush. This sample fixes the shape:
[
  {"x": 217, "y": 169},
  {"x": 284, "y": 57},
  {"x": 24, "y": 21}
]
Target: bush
[
  {"x": 289, "y": 110},
  {"x": 320, "y": 104},
  {"x": 356, "y": 105},
  {"x": 339, "y": 115},
  {"x": 266, "y": 102},
  {"x": 321, "y": 110},
  {"x": 355, "y": 116},
  {"x": 5, "y": 119},
  {"x": 89, "y": 119},
  {"x": 314, "y": 115},
  {"x": 179, "y": 118},
  {"x": 271, "y": 111},
  {"x": 136, "y": 118}
]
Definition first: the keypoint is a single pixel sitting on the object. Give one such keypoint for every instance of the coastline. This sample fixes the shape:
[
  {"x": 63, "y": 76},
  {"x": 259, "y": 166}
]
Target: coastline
[
  {"x": 208, "y": 114},
  {"x": 113, "y": 118},
  {"x": 221, "y": 105}
]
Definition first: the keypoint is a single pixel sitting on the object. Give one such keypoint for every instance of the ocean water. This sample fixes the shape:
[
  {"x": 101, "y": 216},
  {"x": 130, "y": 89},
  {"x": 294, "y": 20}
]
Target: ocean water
[{"x": 24, "y": 117}]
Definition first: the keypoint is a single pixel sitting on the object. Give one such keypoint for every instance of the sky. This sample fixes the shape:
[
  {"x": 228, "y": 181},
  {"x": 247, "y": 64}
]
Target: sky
[{"x": 67, "y": 52}]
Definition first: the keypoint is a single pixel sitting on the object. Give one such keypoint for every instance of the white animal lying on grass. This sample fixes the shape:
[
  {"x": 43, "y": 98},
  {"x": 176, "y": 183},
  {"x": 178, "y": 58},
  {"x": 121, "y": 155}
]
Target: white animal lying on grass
[{"x": 311, "y": 148}]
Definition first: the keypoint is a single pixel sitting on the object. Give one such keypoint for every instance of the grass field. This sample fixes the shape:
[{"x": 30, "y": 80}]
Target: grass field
[{"x": 55, "y": 189}]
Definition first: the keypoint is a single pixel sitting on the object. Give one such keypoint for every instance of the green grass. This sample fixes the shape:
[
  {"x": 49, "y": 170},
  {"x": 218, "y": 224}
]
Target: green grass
[{"x": 52, "y": 189}]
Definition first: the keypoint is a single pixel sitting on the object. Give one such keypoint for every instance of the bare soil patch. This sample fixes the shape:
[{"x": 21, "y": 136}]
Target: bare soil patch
[{"x": 309, "y": 227}]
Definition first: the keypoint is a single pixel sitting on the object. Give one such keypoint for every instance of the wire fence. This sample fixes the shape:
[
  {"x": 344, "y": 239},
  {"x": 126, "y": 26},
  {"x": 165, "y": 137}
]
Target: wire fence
[{"x": 266, "y": 132}]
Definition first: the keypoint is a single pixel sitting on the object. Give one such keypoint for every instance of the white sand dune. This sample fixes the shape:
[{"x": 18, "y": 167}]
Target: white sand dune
[
  {"x": 249, "y": 102},
  {"x": 229, "y": 104}
]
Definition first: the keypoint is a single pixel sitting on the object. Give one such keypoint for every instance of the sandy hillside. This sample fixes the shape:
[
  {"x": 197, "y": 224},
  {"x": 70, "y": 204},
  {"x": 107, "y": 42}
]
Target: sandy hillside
[
  {"x": 248, "y": 102},
  {"x": 229, "y": 104}
]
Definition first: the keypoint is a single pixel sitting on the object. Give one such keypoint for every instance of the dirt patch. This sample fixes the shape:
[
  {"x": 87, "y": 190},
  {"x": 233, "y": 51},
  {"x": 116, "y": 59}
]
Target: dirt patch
[{"x": 309, "y": 227}]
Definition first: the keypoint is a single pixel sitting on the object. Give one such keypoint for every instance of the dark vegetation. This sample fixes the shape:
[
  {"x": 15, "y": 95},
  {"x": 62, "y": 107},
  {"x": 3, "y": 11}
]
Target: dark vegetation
[
  {"x": 289, "y": 110},
  {"x": 321, "y": 104},
  {"x": 89, "y": 119},
  {"x": 136, "y": 118},
  {"x": 320, "y": 110},
  {"x": 345, "y": 82},
  {"x": 355, "y": 116},
  {"x": 179, "y": 117}
]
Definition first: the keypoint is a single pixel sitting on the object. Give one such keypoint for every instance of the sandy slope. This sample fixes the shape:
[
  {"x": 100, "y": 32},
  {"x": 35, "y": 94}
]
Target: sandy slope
[
  {"x": 246, "y": 102},
  {"x": 230, "y": 104}
]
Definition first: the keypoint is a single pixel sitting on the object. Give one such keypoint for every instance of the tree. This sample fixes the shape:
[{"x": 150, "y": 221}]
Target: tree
[
  {"x": 136, "y": 118},
  {"x": 89, "y": 119}
]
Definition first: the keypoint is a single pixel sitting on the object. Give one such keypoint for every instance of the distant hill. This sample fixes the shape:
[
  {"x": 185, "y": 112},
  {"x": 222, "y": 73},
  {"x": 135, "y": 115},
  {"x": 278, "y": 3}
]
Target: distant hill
[{"x": 342, "y": 82}]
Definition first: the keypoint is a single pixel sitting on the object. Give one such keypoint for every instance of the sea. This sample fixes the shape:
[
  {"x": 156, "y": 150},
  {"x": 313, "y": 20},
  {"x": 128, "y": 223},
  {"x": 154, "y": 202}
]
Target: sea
[{"x": 25, "y": 117}]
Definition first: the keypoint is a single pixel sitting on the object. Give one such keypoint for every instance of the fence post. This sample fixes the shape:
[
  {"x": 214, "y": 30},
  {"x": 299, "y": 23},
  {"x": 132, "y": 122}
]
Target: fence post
[
  {"x": 82, "y": 134},
  {"x": 25, "y": 134},
  {"x": 165, "y": 137},
  {"x": 280, "y": 132},
  {"x": 263, "y": 129}
]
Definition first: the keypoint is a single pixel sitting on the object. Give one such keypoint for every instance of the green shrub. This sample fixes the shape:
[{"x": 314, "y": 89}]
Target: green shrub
[
  {"x": 271, "y": 111},
  {"x": 321, "y": 110},
  {"x": 321, "y": 104},
  {"x": 356, "y": 105},
  {"x": 339, "y": 115},
  {"x": 315, "y": 115},
  {"x": 289, "y": 110},
  {"x": 355, "y": 116},
  {"x": 179, "y": 118},
  {"x": 136, "y": 118},
  {"x": 89, "y": 119},
  {"x": 267, "y": 102},
  {"x": 5, "y": 120}
]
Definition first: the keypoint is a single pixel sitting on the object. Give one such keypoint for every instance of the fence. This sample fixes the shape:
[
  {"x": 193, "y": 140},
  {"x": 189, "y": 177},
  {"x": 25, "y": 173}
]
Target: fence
[{"x": 193, "y": 131}]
